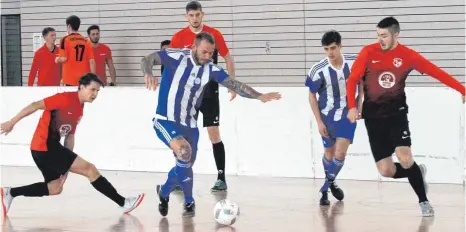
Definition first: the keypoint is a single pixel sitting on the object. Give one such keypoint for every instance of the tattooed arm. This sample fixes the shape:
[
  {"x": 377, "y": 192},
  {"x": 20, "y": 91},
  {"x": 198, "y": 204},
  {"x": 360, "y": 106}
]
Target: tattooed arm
[
  {"x": 149, "y": 61},
  {"x": 240, "y": 88}
]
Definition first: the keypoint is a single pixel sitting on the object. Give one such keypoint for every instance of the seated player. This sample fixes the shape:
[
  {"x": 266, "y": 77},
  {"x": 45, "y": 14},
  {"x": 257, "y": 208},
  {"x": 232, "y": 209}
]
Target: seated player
[
  {"x": 187, "y": 71},
  {"x": 61, "y": 115},
  {"x": 328, "y": 79}
]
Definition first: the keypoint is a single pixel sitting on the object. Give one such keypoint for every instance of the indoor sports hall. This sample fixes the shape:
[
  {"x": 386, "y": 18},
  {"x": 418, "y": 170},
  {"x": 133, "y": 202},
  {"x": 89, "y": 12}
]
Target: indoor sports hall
[{"x": 273, "y": 150}]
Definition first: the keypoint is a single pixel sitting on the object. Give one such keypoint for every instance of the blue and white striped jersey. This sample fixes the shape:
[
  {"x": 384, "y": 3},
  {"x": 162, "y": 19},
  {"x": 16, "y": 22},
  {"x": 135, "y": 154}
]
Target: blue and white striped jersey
[
  {"x": 182, "y": 85},
  {"x": 330, "y": 84}
]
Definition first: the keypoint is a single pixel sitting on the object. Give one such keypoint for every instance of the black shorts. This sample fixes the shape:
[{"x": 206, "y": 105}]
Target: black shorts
[
  {"x": 54, "y": 162},
  {"x": 385, "y": 134},
  {"x": 210, "y": 105}
]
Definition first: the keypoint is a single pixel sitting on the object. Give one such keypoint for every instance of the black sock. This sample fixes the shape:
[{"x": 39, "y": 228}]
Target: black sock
[
  {"x": 33, "y": 190},
  {"x": 219, "y": 155},
  {"x": 103, "y": 186},
  {"x": 416, "y": 181},
  {"x": 400, "y": 172}
]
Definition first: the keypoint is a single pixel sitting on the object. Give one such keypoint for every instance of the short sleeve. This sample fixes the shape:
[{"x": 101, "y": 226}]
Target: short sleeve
[
  {"x": 313, "y": 80},
  {"x": 219, "y": 74},
  {"x": 109, "y": 53},
  {"x": 56, "y": 102},
  {"x": 62, "y": 51},
  {"x": 220, "y": 43},
  {"x": 176, "y": 41}
]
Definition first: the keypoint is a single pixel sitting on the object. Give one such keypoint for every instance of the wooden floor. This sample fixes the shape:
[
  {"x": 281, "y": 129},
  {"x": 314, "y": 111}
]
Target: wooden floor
[{"x": 267, "y": 204}]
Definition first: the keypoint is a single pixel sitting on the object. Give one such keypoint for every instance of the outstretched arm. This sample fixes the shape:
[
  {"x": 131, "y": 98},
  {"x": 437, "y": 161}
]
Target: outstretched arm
[
  {"x": 149, "y": 61},
  {"x": 248, "y": 92},
  {"x": 7, "y": 127},
  {"x": 240, "y": 88}
]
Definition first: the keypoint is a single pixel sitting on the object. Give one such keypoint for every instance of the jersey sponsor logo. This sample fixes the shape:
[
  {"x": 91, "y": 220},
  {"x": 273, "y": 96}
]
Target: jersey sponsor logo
[
  {"x": 387, "y": 80},
  {"x": 397, "y": 62},
  {"x": 64, "y": 130}
]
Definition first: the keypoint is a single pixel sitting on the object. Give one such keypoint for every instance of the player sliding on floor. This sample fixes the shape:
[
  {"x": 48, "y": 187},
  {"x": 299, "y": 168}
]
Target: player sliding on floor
[
  {"x": 61, "y": 115},
  {"x": 186, "y": 73}
]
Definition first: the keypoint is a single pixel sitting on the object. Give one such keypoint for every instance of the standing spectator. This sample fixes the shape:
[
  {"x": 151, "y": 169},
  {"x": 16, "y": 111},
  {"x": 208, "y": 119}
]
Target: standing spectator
[
  {"x": 43, "y": 64},
  {"x": 102, "y": 55}
]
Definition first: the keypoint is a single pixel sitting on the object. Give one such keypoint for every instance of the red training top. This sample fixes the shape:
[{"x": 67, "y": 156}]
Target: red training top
[{"x": 60, "y": 118}]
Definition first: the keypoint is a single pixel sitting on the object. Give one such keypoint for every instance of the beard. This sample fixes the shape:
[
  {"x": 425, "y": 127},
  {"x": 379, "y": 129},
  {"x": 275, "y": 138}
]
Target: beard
[{"x": 95, "y": 41}]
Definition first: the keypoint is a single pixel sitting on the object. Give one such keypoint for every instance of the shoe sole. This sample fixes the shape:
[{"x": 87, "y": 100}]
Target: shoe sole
[
  {"x": 2, "y": 192},
  {"x": 137, "y": 204}
]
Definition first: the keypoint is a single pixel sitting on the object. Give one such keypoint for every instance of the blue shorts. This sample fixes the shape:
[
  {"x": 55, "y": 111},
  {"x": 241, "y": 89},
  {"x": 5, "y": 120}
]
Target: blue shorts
[
  {"x": 168, "y": 130},
  {"x": 338, "y": 129}
]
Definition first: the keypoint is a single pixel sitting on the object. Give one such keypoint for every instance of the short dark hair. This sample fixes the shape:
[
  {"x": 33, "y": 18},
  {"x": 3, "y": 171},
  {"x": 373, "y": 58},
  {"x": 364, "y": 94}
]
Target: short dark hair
[
  {"x": 330, "y": 37},
  {"x": 46, "y": 31},
  {"x": 88, "y": 78},
  {"x": 193, "y": 5},
  {"x": 93, "y": 27},
  {"x": 204, "y": 36},
  {"x": 74, "y": 21},
  {"x": 391, "y": 23},
  {"x": 164, "y": 43}
]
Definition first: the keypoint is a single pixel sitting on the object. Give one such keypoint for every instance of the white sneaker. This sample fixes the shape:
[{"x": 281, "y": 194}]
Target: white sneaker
[
  {"x": 424, "y": 173},
  {"x": 132, "y": 203},
  {"x": 6, "y": 199}
]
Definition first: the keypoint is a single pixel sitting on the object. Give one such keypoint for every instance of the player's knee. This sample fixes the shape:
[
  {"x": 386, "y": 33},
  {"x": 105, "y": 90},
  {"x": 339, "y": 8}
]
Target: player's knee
[
  {"x": 184, "y": 153},
  {"x": 55, "y": 188},
  {"x": 92, "y": 172},
  {"x": 386, "y": 171},
  {"x": 214, "y": 134},
  {"x": 340, "y": 155}
]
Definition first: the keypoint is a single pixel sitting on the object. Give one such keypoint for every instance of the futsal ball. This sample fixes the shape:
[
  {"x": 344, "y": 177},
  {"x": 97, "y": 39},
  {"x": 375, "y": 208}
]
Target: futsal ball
[{"x": 226, "y": 212}]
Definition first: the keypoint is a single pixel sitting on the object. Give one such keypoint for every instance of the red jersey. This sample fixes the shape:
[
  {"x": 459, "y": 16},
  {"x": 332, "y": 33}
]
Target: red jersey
[
  {"x": 44, "y": 67},
  {"x": 102, "y": 53},
  {"x": 60, "y": 118},
  {"x": 185, "y": 39},
  {"x": 384, "y": 75}
]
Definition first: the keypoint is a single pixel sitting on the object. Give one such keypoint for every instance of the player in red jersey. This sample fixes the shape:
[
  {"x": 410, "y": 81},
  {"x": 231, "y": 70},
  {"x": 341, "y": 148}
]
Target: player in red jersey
[
  {"x": 61, "y": 115},
  {"x": 384, "y": 67},
  {"x": 210, "y": 106}
]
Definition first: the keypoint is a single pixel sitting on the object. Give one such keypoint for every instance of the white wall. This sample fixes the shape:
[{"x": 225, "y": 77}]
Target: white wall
[{"x": 273, "y": 139}]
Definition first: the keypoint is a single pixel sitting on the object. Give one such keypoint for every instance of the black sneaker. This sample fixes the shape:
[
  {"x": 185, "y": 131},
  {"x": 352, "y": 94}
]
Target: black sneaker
[
  {"x": 324, "y": 198},
  {"x": 337, "y": 192},
  {"x": 163, "y": 204},
  {"x": 189, "y": 209}
]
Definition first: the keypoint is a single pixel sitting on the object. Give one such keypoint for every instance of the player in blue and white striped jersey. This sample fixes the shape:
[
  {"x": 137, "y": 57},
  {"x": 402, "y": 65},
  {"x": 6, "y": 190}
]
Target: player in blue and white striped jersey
[
  {"x": 186, "y": 72},
  {"x": 327, "y": 78}
]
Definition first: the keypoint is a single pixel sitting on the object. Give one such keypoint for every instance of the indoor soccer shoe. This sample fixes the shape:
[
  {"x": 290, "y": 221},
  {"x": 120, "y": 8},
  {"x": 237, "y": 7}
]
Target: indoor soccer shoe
[
  {"x": 189, "y": 209},
  {"x": 426, "y": 209},
  {"x": 132, "y": 203},
  {"x": 163, "y": 204},
  {"x": 219, "y": 186},
  {"x": 6, "y": 199},
  {"x": 337, "y": 192},
  {"x": 324, "y": 198}
]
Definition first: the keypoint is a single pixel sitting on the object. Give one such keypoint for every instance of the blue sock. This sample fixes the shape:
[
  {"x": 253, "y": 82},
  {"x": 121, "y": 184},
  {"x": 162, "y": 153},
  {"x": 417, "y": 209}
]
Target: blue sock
[
  {"x": 333, "y": 170},
  {"x": 171, "y": 182},
  {"x": 184, "y": 173},
  {"x": 326, "y": 164}
]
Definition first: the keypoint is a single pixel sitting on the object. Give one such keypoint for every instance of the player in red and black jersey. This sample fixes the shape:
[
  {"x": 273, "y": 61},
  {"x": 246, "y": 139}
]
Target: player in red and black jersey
[
  {"x": 384, "y": 67},
  {"x": 61, "y": 115}
]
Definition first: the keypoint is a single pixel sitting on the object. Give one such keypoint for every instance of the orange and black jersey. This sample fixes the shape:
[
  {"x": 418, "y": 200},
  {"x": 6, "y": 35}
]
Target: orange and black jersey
[
  {"x": 78, "y": 52},
  {"x": 60, "y": 118}
]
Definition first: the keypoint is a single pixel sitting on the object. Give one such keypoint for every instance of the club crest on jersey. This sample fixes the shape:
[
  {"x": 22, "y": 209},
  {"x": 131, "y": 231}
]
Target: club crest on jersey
[
  {"x": 64, "y": 129},
  {"x": 397, "y": 62},
  {"x": 387, "y": 80}
]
